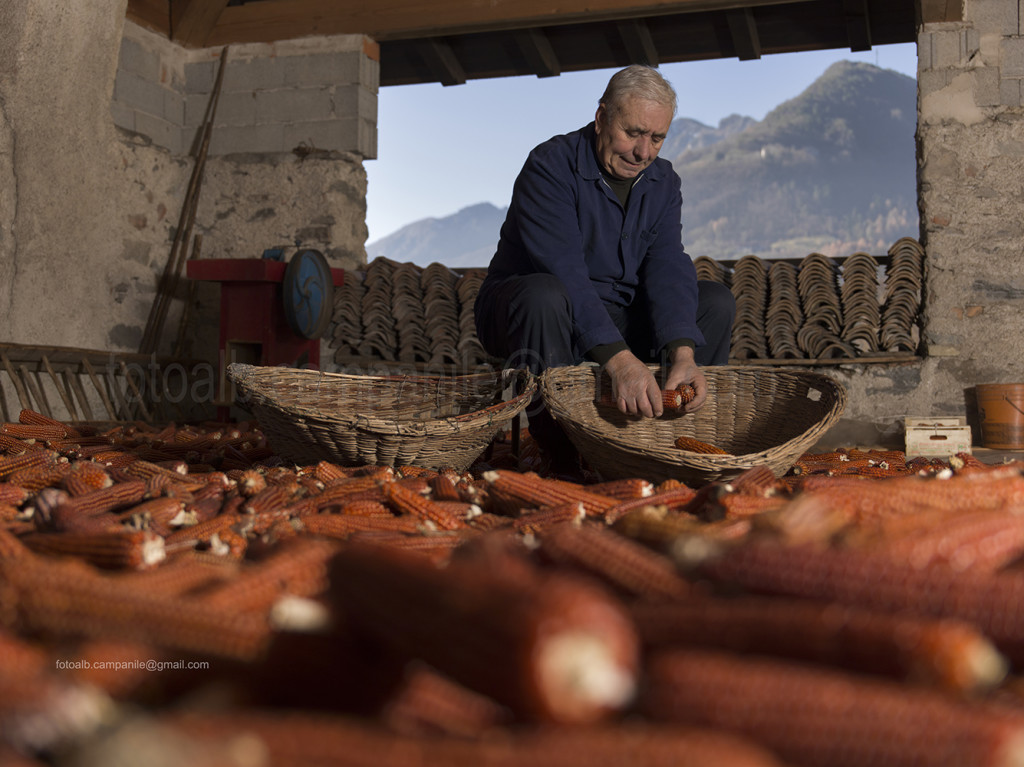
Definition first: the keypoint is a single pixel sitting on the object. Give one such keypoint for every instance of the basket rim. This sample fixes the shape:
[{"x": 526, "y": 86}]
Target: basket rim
[
  {"x": 246, "y": 378},
  {"x": 707, "y": 461}
]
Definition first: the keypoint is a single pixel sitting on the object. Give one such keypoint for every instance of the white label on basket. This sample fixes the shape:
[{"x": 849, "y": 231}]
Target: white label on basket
[{"x": 814, "y": 395}]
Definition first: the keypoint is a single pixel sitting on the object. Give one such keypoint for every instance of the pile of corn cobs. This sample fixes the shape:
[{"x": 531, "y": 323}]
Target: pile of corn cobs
[{"x": 180, "y": 596}]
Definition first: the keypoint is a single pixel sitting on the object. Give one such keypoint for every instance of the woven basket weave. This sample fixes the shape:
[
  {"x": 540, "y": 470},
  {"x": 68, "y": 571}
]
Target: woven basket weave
[
  {"x": 400, "y": 420},
  {"x": 758, "y": 416}
]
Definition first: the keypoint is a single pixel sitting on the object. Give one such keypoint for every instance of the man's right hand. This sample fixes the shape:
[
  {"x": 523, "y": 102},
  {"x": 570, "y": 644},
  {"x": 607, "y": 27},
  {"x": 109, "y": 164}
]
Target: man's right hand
[{"x": 634, "y": 387}]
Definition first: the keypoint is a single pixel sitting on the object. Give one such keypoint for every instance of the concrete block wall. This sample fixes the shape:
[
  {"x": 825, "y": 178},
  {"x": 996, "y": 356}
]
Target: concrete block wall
[
  {"x": 970, "y": 145},
  {"x": 317, "y": 94}
]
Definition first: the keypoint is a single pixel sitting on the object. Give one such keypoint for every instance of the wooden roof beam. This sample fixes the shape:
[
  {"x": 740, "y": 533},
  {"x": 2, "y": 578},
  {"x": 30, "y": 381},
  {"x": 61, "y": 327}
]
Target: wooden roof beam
[
  {"x": 858, "y": 24},
  {"x": 636, "y": 36},
  {"x": 539, "y": 53},
  {"x": 743, "y": 28},
  {"x": 192, "y": 21},
  {"x": 384, "y": 20},
  {"x": 441, "y": 60}
]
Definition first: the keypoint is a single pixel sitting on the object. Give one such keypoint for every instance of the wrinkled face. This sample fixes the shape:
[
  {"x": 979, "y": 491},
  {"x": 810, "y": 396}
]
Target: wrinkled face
[{"x": 629, "y": 139}]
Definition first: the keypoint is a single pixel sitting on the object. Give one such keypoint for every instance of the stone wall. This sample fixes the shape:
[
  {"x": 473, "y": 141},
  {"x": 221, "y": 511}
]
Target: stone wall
[
  {"x": 971, "y": 179},
  {"x": 98, "y": 126}
]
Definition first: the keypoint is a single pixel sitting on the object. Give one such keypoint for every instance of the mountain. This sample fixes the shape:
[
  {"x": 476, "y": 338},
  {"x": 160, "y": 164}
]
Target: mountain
[
  {"x": 464, "y": 239},
  {"x": 832, "y": 170}
]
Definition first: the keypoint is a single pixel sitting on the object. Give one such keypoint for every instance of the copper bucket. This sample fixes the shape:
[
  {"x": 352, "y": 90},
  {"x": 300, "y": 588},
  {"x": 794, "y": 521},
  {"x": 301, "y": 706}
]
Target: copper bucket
[{"x": 1001, "y": 409}]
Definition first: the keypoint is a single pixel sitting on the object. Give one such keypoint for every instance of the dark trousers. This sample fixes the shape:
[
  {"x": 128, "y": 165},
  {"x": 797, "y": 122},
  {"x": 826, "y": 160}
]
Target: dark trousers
[{"x": 527, "y": 321}]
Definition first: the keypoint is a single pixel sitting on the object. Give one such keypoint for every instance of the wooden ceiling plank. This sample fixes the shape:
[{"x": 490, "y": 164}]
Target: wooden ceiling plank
[
  {"x": 151, "y": 14},
  {"x": 539, "y": 53},
  {"x": 743, "y": 28},
  {"x": 640, "y": 47},
  {"x": 193, "y": 20},
  {"x": 441, "y": 61},
  {"x": 271, "y": 20},
  {"x": 858, "y": 24}
]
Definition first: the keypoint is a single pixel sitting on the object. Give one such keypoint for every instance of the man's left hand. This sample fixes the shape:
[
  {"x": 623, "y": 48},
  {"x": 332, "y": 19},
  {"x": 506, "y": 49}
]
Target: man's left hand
[{"x": 685, "y": 371}]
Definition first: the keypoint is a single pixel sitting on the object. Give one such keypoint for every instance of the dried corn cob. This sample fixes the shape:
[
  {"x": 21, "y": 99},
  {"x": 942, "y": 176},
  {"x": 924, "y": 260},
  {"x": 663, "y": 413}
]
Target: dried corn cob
[
  {"x": 821, "y": 717},
  {"x": 366, "y": 509},
  {"x": 11, "y": 547},
  {"x": 32, "y": 417},
  {"x": 126, "y": 549},
  {"x": 39, "y": 432},
  {"x": 298, "y": 568},
  {"x": 158, "y": 515},
  {"x": 292, "y": 740},
  {"x": 944, "y": 653},
  {"x": 436, "y": 547},
  {"x": 757, "y": 480},
  {"x": 626, "y": 565},
  {"x": 341, "y": 526},
  {"x": 623, "y": 489},
  {"x": 535, "y": 491},
  {"x": 67, "y": 600},
  {"x": 443, "y": 488},
  {"x": 554, "y": 649},
  {"x": 407, "y": 501},
  {"x": 271, "y": 498},
  {"x": 329, "y": 473},
  {"x": 11, "y": 446},
  {"x": 673, "y": 498},
  {"x": 671, "y": 399},
  {"x": 429, "y": 703},
  {"x": 988, "y": 539},
  {"x": 201, "y": 532},
  {"x": 86, "y": 476},
  {"x": 993, "y": 602},
  {"x": 99, "y": 502},
  {"x": 534, "y": 522},
  {"x": 179, "y": 575},
  {"x": 28, "y": 460},
  {"x": 13, "y": 495},
  {"x": 662, "y": 528},
  {"x": 38, "y": 477},
  {"x": 229, "y": 542},
  {"x": 693, "y": 445}
]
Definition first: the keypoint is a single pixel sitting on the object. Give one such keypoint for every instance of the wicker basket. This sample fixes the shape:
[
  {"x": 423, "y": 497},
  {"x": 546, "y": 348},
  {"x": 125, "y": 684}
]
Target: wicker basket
[
  {"x": 758, "y": 416},
  {"x": 390, "y": 420}
]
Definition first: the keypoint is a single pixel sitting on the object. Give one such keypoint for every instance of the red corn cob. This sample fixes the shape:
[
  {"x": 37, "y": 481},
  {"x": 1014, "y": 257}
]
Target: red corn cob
[
  {"x": 663, "y": 529},
  {"x": 406, "y": 501},
  {"x": 201, "y": 532},
  {"x": 329, "y": 473},
  {"x": 733, "y": 505},
  {"x": 180, "y": 575},
  {"x": 539, "y": 492},
  {"x": 131, "y": 549},
  {"x": 551, "y": 648},
  {"x": 99, "y": 502},
  {"x": 672, "y": 498},
  {"x": 429, "y": 703},
  {"x": 366, "y": 509},
  {"x": 671, "y": 399},
  {"x": 821, "y": 717},
  {"x": 251, "y": 482},
  {"x": 988, "y": 539},
  {"x": 342, "y": 491},
  {"x": 38, "y": 477},
  {"x": 486, "y": 522},
  {"x": 86, "y": 476},
  {"x": 943, "y": 653},
  {"x": 697, "y": 446},
  {"x": 159, "y": 515},
  {"x": 229, "y": 542},
  {"x": 436, "y": 548},
  {"x": 31, "y": 417},
  {"x": 12, "y": 494},
  {"x": 993, "y": 602},
  {"x": 28, "y": 460},
  {"x": 298, "y": 568},
  {"x": 271, "y": 498},
  {"x": 292, "y": 739},
  {"x": 623, "y": 489},
  {"x": 341, "y": 526},
  {"x": 65, "y": 600},
  {"x": 757, "y": 480},
  {"x": 534, "y": 522},
  {"x": 11, "y": 446},
  {"x": 626, "y": 565},
  {"x": 443, "y": 488},
  {"x": 11, "y": 546},
  {"x": 33, "y": 431}
]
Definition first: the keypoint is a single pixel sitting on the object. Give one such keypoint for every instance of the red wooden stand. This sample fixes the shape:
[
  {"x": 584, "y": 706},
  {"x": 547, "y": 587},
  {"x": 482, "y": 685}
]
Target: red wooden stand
[{"x": 253, "y": 328}]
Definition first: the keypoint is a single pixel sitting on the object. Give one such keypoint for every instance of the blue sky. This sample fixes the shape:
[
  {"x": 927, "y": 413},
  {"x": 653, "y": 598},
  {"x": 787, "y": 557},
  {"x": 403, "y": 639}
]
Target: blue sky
[{"x": 441, "y": 149}]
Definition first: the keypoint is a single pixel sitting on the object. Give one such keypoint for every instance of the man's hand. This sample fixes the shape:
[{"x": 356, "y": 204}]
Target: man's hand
[
  {"x": 684, "y": 370},
  {"x": 634, "y": 387}
]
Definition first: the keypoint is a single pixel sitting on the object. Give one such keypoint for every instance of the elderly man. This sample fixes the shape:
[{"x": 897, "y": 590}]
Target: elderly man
[{"x": 590, "y": 262}]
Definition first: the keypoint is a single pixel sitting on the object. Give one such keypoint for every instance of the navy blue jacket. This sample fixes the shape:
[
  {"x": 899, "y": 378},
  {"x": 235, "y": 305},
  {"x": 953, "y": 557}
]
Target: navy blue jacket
[{"x": 565, "y": 220}]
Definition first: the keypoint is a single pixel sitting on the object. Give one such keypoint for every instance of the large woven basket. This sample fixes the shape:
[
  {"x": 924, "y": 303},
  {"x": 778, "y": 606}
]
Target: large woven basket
[
  {"x": 758, "y": 416},
  {"x": 389, "y": 420}
]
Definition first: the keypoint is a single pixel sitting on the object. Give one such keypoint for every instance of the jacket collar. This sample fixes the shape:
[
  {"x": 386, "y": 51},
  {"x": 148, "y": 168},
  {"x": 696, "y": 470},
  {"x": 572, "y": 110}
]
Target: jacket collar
[{"x": 586, "y": 158}]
